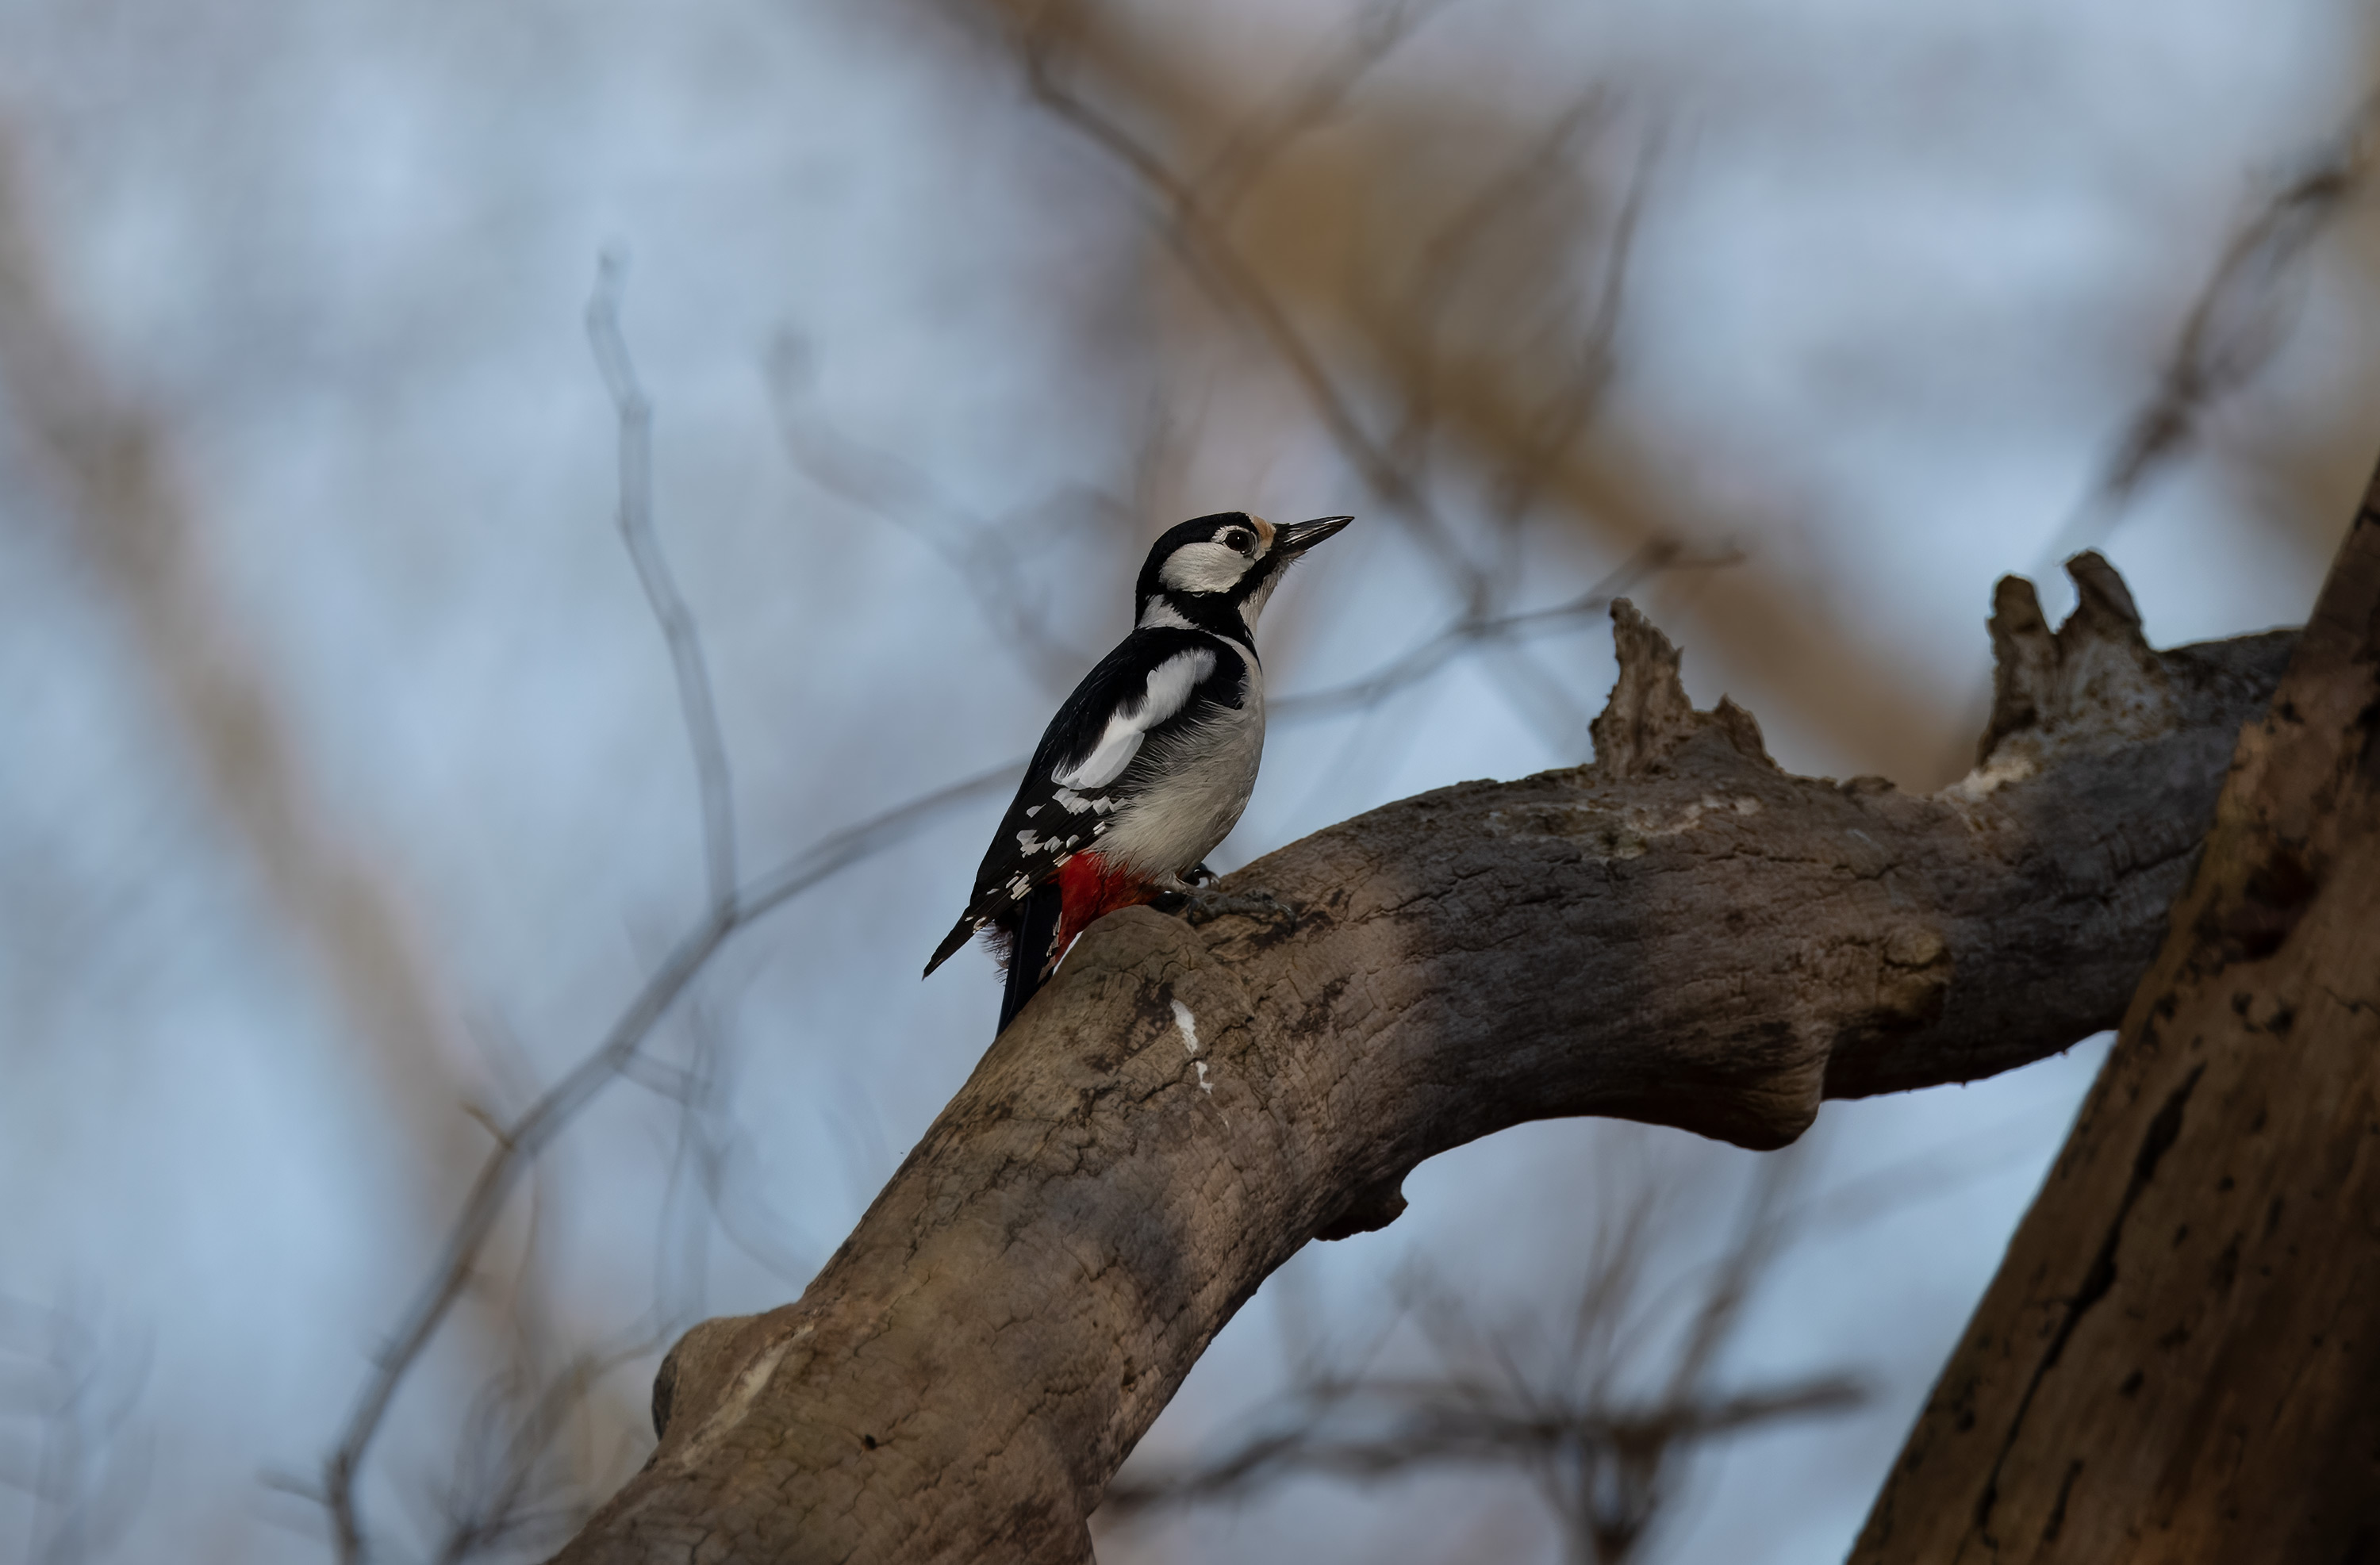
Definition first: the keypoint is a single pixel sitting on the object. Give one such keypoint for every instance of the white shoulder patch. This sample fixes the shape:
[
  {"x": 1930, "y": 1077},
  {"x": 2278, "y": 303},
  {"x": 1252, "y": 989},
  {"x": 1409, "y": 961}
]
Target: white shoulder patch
[{"x": 1170, "y": 684}]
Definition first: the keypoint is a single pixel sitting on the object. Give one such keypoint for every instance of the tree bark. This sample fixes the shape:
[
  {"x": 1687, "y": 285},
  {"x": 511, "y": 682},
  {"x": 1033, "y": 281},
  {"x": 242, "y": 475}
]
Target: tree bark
[
  {"x": 1679, "y": 933},
  {"x": 2180, "y": 1359}
]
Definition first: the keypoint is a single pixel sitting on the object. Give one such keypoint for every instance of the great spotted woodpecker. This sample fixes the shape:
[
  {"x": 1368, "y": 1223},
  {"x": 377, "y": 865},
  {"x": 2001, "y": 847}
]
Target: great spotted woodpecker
[{"x": 1149, "y": 762}]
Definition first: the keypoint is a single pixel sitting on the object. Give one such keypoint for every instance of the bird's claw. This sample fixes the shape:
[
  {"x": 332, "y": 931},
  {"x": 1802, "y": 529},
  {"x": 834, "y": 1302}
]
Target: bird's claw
[{"x": 1200, "y": 905}]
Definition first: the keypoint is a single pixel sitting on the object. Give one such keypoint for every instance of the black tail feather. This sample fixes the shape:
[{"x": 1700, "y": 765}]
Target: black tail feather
[
  {"x": 960, "y": 934},
  {"x": 1037, "y": 930}
]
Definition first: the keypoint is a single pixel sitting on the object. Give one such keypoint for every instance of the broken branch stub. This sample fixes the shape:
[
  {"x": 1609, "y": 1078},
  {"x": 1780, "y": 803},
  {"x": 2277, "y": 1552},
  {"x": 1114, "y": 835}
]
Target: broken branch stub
[
  {"x": 1679, "y": 933},
  {"x": 2095, "y": 677}
]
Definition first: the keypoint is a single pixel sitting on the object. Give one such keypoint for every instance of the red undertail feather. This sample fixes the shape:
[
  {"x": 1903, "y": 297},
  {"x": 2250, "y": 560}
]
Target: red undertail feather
[{"x": 1088, "y": 888}]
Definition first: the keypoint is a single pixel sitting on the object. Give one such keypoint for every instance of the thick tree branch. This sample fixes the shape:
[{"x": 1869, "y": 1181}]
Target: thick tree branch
[
  {"x": 1681, "y": 933},
  {"x": 2178, "y": 1360}
]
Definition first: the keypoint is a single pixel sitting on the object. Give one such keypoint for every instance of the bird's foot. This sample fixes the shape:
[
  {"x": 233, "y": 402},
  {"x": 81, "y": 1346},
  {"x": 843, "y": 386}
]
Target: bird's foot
[{"x": 1202, "y": 906}]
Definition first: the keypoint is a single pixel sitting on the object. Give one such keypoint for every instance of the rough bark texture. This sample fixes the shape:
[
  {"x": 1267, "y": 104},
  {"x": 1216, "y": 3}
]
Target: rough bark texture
[
  {"x": 1681, "y": 933},
  {"x": 2180, "y": 1359}
]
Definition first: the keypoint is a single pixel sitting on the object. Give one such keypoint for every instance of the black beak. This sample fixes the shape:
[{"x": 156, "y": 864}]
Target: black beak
[{"x": 1298, "y": 536}]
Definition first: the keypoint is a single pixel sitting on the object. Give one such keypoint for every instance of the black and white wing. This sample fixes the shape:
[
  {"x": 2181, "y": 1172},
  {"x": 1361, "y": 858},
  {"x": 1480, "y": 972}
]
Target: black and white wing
[{"x": 1156, "y": 682}]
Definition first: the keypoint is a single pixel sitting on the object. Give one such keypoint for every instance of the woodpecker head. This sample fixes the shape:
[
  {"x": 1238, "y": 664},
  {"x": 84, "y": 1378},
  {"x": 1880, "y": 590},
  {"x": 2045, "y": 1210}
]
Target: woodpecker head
[{"x": 1216, "y": 572}]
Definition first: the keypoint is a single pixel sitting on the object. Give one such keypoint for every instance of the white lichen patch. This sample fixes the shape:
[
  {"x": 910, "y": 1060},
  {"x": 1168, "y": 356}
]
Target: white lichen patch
[
  {"x": 2011, "y": 763},
  {"x": 1187, "y": 1025},
  {"x": 1647, "y": 824},
  {"x": 1189, "y": 1028}
]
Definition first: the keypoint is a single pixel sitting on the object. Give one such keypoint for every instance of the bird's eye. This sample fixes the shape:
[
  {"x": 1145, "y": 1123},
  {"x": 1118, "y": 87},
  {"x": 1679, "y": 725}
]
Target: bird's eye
[{"x": 1238, "y": 539}]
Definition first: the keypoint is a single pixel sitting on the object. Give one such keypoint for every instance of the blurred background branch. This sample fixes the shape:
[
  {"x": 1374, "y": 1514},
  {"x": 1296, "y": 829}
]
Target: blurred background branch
[
  {"x": 1603, "y": 1414},
  {"x": 327, "y": 721},
  {"x": 70, "y": 1443},
  {"x": 2238, "y": 321}
]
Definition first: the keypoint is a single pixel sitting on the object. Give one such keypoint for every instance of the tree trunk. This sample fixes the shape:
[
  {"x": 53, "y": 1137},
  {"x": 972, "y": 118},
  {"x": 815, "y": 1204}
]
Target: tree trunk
[
  {"x": 1681, "y": 933},
  {"x": 2180, "y": 1359}
]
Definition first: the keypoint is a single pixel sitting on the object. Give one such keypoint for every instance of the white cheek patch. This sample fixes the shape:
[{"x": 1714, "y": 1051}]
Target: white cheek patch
[{"x": 1203, "y": 567}]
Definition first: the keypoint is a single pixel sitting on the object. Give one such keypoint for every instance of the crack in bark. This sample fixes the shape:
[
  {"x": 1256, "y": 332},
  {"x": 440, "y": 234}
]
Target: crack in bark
[{"x": 2162, "y": 1131}]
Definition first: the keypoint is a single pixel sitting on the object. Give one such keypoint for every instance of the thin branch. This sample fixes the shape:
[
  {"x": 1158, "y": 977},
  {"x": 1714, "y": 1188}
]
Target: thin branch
[
  {"x": 677, "y": 622},
  {"x": 1193, "y": 232},
  {"x": 1419, "y": 663},
  {"x": 1604, "y": 1462},
  {"x": 729, "y": 910},
  {"x": 511, "y": 1432},
  {"x": 1442, "y": 1423},
  {"x": 87, "y": 1464},
  {"x": 977, "y": 550},
  {"x": 620, "y": 1048},
  {"x": 1451, "y": 252},
  {"x": 1380, "y": 27},
  {"x": 1549, "y": 432},
  {"x": 2234, "y": 327},
  {"x": 508, "y": 1490},
  {"x": 1190, "y": 230}
]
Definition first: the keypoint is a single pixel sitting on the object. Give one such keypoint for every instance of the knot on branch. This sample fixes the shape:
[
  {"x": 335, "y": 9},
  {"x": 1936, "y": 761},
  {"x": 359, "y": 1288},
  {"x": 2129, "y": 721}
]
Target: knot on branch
[
  {"x": 703, "y": 1358},
  {"x": 1649, "y": 714},
  {"x": 2095, "y": 672},
  {"x": 1371, "y": 1208}
]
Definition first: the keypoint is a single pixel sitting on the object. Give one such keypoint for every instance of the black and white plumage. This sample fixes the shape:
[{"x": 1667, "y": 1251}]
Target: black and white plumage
[{"x": 1150, "y": 761}]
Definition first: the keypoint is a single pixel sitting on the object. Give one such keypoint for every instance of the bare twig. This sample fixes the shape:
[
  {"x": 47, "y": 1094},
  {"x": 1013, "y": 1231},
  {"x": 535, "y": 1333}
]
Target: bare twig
[
  {"x": 1604, "y": 1459},
  {"x": 1413, "y": 667},
  {"x": 978, "y": 551},
  {"x": 86, "y": 1464},
  {"x": 1379, "y": 27},
  {"x": 677, "y": 623},
  {"x": 1557, "y": 422},
  {"x": 1211, "y": 257},
  {"x": 730, "y": 909},
  {"x": 1099, "y": 82},
  {"x": 2234, "y": 327},
  {"x": 1196, "y": 232},
  {"x": 1411, "y": 329},
  {"x": 510, "y": 1490},
  {"x": 504, "y": 1493},
  {"x": 621, "y": 1046}
]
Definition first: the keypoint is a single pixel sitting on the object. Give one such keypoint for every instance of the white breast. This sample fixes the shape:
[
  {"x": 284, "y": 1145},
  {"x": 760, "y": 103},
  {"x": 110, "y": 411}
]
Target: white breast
[{"x": 1204, "y": 776}]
